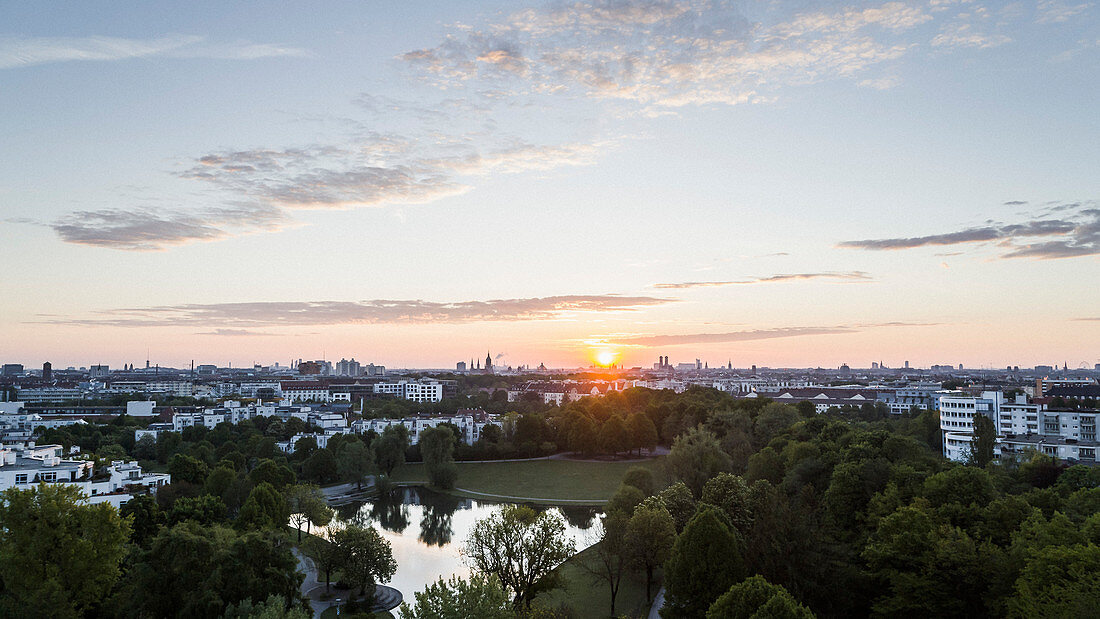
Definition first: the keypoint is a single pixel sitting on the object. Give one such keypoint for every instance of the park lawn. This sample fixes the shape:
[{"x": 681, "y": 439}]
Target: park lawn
[
  {"x": 545, "y": 481},
  {"x": 581, "y": 594}
]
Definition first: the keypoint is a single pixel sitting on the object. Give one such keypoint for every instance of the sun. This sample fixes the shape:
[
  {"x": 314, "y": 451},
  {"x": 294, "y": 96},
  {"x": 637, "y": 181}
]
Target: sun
[{"x": 605, "y": 357}]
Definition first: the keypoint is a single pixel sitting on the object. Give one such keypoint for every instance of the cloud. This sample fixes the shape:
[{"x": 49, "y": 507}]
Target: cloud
[
  {"x": 1078, "y": 234},
  {"x": 234, "y": 332},
  {"x": 378, "y": 311},
  {"x": 843, "y": 276},
  {"x": 882, "y": 83},
  {"x": 149, "y": 229},
  {"x": 669, "y": 53},
  {"x": 962, "y": 34},
  {"x": 1015, "y": 203},
  {"x": 262, "y": 186},
  {"x": 1056, "y": 12},
  {"x": 16, "y": 52},
  {"x": 748, "y": 335},
  {"x": 1089, "y": 319}
]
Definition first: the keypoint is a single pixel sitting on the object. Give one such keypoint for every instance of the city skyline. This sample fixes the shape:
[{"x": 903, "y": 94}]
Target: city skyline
[{"x": 780, "y": 184}]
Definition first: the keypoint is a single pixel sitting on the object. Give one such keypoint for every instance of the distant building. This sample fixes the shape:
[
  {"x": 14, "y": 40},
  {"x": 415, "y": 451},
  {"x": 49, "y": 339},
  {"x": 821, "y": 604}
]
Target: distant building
[
  {"x": 11, "y": 369},
  {"x": 460, "y": 366},
  {"x": 47, "y": 372},
  {"x": 99, "y": 371},
  {"x": 344, "y": 367}
]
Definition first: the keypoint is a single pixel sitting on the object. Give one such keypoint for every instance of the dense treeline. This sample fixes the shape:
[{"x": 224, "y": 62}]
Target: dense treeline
[{"x": 839, "y": 516}]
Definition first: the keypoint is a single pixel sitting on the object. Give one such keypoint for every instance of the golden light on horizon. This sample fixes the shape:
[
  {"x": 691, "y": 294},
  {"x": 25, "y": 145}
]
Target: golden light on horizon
[{"x": 606, "y": 357}]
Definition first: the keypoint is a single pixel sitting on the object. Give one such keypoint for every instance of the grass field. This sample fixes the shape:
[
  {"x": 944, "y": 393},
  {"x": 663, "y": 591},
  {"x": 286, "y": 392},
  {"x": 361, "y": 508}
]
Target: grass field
[
  {"x": 582, "y": 595},
  {"x": 541, "y": 481}
]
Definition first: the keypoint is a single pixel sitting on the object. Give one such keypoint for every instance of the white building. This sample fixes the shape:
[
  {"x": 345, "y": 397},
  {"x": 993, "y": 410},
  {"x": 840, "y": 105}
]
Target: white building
[
  {"x": 1068, "y": 435},
  {"x": 426, "y": 391},
  {"x": 470, "y": 425},
  {"x": 22, "y": 468}
]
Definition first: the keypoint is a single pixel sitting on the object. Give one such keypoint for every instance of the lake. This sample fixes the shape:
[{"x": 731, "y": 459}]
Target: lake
[{"x": 427, "y": 529}]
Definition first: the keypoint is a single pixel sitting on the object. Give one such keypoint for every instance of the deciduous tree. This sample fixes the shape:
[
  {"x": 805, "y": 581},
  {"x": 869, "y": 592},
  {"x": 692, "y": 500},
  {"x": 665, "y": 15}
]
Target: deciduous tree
[
  {"x": 518, "y": 546},
  {"x": 58, "y": 557}
]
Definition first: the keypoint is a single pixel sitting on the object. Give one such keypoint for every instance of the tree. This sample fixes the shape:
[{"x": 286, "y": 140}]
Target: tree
[
  {"x": 608, "y": 559},
  {"x": 1059, "y": 581},
  {"x": 145, "y": 448},
  {"x": 274, "y": 607},
  {"x": 706, "y": 560},
  {"x": 265, "y": 508},
  {"x": 271, "y": 472},
  {"x": 205, "y": 509},
  {"x": 390, "y": 448},
  {"x": 697, "y": 456},
  {"x": 624, "y": 500},
  {"x": 678, "y": 501},
  {"x": 146, "y": 517},
  {"x": 613, "y": 436},
  {"x": 649, "y": 537},
  {"x": 583, "y": 435},
  {"x": 306, "y": 505},
  {"x": 643, "y": 433},
  {"x": 481, "y": 596},
  {"x": 929, "y": 568},
  {"x": 437, "y": 448},
  {"x": 327, "y": 555},
  {"x": 354, "y": 462},
  {"x": 641, "y": 478},
  {"x": 756, "y": 597},
  {"x": 58, "y": 557},
  {"x": 985, "y": 437},
  {"x": 185, "y": 468},
  {"x": 195, "y": 571},
  {"x": 320, "y": 467},
  {"x": 730, "y": 494},
  {"x": 519, "y": 547},
  {"x": 368, "y": 558}
]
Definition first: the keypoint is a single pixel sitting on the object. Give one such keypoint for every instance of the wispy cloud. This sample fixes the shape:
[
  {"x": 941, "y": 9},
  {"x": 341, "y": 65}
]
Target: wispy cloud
[
  {"x": 669, "y": 53},
  {"x": 1076, "y": 234},
  {"x": 235, "y": 333},
  {"x": 18, "y": 52},
  {"x": 835, "y": 276},
  {"x": 263, "y": 186},
  {"x": 378, "y": 311},
  {"x": 1056, "y": 11},
  {"x": 747, "y": 335},
  {"x": 148, "y": 229}
]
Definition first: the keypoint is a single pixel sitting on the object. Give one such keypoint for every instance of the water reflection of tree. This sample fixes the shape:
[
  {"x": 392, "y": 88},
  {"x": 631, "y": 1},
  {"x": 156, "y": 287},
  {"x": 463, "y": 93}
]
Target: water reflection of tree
[
  {"x": 435, "y": 526},
  {"x": 390, "y": 511},
  {"x": 579, "y": 516}
]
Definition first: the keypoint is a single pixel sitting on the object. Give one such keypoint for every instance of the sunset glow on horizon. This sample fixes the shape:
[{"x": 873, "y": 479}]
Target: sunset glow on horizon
[{"x": 784, "y": 184}]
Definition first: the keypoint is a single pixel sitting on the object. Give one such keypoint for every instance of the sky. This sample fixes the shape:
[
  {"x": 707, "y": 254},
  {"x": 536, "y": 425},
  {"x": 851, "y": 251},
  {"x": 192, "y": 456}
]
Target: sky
[{"x": 785, "y": 184}]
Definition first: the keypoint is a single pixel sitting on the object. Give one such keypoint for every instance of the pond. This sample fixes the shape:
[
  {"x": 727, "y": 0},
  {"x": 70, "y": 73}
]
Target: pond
[{"x": 427, "y": 529}]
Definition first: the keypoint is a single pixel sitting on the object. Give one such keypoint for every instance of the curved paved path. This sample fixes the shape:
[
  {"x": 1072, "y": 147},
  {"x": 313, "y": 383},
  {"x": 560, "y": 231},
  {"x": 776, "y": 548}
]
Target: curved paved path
[
  {"x": 658, "y": 602},
  {"x": 310, "y": 582}
]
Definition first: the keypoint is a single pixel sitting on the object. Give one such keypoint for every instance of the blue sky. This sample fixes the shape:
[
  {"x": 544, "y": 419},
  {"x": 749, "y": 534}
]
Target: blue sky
[{"x": 770, "y": 182}]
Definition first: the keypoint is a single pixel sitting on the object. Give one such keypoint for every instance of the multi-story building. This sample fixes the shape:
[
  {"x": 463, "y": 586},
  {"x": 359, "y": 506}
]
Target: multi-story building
[
  {"x": 1021, "y": 426},
  {"x": 22, "y": 468},
  {"x": 470, "y": 423},
  {"x": 345, "y": 367},
  {"x": 417, "y": 391}
]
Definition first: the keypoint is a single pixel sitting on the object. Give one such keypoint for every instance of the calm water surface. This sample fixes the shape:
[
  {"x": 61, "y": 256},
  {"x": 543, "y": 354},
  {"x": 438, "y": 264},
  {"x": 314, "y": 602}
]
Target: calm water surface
[{"x": 427, "y": 530}]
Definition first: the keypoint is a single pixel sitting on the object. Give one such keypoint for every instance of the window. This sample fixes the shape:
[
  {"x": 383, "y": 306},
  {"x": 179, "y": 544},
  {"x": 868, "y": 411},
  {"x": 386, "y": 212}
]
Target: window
[{"x": 21, "y": 478}]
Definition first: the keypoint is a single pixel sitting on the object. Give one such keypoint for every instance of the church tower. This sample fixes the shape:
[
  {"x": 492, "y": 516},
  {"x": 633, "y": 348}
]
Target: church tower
[{"x": 488, "y": 363}]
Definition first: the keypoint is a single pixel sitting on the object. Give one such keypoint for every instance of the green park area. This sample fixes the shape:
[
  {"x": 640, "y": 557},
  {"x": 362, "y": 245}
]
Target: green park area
[
  {"x": 581, "y": 594},
  {"x": 547, "y": 481}
]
